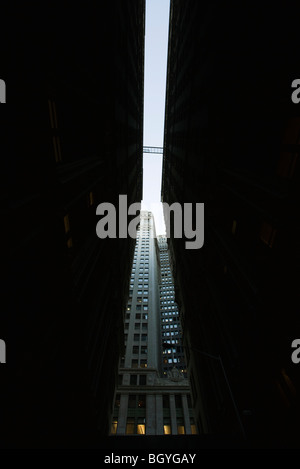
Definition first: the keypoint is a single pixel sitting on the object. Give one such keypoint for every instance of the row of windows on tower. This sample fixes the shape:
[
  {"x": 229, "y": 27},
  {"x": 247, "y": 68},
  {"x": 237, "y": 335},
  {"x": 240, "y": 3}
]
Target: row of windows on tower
[
  {"x": 138, "y": 307},
  {"x": 142, "y": 283},
  {"x": 173, "y": 360},
  {"x": 138, "y": 325},
  {"x": 137, "y": 315},
  {"x": 143, "y": 292},
  {"x": 172, "y": 334},
  {"x": 135, "y": 380},
  {"x": 136, "y": 414},
  {"x": 136, "y": 363},
  {"x": 139, "y": 299},
  {"x": 137, "y": 426},
  {"x": 141, "y": 277}
]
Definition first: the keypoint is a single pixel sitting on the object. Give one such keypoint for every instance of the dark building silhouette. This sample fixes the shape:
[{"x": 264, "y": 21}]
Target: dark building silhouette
[
  {"x": 232, "y": 141},
  {"x": 71, "y": 138}
]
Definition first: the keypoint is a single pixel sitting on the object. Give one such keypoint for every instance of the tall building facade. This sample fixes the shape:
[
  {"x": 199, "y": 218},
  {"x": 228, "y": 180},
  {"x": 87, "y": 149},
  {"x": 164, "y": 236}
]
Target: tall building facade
[
  {"x": 152, "y": 397},
  {"x": 232, "y": 142},
  {"x": 171, "y": 331},
  {"x": 71, "y": 138}
]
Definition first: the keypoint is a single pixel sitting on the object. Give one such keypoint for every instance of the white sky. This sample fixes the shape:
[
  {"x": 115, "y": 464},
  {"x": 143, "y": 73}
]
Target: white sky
[{"x": 156, "y": 45}]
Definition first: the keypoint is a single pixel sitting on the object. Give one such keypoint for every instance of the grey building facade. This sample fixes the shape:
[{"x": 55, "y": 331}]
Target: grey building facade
[{"x": 152, "y": 396}]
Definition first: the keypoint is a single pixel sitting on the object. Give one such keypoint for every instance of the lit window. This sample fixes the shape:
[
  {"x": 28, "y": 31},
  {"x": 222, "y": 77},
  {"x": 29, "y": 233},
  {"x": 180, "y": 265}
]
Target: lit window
[
  {"x": 141, "y": 426},
  {"x": 130, "y": 426},
  {"x": 167, "y": 427},
  {"x": 114, "y": 426}
]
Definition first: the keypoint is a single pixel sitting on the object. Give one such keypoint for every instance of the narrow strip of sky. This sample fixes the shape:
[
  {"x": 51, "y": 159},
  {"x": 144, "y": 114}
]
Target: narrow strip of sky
[{"x": 156, "y": 48}]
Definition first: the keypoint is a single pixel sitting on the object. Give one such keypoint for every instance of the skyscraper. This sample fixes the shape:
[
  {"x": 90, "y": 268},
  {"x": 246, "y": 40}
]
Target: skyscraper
[{"x": 152, "y": 396}]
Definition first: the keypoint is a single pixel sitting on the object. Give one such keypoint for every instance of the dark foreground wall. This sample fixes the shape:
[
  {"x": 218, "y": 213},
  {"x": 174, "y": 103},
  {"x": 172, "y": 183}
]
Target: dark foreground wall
[
  {"x": 232, "y": 141},
  {"x": 71, "y": 138}
]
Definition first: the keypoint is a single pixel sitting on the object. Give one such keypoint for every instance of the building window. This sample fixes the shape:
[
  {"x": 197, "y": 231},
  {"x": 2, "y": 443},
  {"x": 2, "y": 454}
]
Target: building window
[
  {"x": 135, "y": 349},
  {"x": 142, "y": 380},
  {"x": 134, "y": 363},
  {"x": 133, "y": 379},
  {"x": 166, "y": 401},
  {"x": 114, "y": 426},
  {"x": 167, "y": 426},
  {"x": 136, "y": 337},
  {"x": 143, "y": 363},
  {"x": 141, "y": 402},
  {"x": 141, "y": 427},
  {"x": 143, "y": 350},
  {"x": 178, "y": 401},
  {"x": 130, "y": 426},
  {"x": 131, "y": 401}
]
